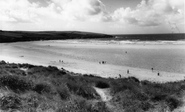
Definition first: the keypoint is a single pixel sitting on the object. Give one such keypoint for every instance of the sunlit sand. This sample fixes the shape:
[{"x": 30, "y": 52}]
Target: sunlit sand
[{"x": 83, "y": 56}]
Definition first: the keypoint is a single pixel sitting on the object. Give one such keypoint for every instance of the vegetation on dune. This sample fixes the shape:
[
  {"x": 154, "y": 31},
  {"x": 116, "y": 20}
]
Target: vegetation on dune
[
  {"x": 50, "y": 89},
  {"x": 15, "y": 83},
  {"x": 144, "y": 95}
]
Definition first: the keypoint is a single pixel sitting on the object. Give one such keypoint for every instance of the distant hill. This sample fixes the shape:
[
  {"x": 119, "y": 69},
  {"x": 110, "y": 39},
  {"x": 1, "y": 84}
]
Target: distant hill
[
  {"x": 151, "y": 37},
  {"x": 16, "y": 36}
]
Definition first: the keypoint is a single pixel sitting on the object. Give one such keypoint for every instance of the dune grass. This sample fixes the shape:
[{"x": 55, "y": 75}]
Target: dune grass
[
  {"x": 58, "y": 90},
  {"x": 133, "y": 94}
]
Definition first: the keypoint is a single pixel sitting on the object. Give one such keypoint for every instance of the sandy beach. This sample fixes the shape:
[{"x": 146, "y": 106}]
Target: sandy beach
[{"x": 83, "y": 56}]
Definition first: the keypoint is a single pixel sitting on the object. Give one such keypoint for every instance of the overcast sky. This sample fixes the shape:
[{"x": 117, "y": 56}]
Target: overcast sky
[{"x": 104, "y": 16}]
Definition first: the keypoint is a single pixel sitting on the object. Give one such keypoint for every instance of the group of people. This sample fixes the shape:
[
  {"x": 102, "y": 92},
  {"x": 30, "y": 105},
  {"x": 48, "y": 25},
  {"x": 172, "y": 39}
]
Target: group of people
[
  {"x": 158, "y": 74},
  {"x": 102, "y": 62},
  {"x": 127, "y": 73},
  {"x": 61, "y": 61}
]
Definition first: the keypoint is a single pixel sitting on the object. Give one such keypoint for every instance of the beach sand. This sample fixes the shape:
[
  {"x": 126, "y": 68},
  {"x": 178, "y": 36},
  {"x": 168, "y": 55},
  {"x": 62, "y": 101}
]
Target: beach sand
[{"x": 83, "y": 56}]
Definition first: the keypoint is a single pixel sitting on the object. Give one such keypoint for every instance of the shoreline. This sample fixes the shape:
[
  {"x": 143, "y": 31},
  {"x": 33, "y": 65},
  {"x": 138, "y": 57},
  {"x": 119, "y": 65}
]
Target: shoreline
[
  {"x": 141, "y": 74},
  {"x": 39, "y": 53}
]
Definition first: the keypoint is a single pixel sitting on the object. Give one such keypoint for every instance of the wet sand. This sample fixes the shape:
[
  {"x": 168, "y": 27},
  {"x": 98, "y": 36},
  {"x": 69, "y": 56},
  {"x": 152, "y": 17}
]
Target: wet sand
[{"x": 83, "y": 56}]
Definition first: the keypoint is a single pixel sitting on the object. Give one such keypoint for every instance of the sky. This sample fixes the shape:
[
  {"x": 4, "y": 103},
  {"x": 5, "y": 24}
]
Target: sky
[{"x": 101, "y": 16}]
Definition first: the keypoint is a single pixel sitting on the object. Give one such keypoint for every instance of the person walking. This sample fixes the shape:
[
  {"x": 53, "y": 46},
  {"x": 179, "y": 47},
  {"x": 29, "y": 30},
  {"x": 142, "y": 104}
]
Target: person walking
[
  {"x": 158, "y": 74},
  {"x": 119, "y": 75},
  {"x": 127, "y": 71},
  {"x": 152, "y": 69}
]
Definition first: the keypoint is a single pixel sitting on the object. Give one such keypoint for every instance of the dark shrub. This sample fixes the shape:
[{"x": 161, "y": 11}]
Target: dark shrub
[
  {"x": 118, "y": 87},
  {"x": 52, "y": 68},
  {"x": 42, "y": 88},
  {"x": 50, "y": 71},
  {"x": 140, "y": 96},
  {"x": 25, "y": 65},
  {"x": 146, "y": 106},
  {"x": 91, "y": 75},
  {"x": 15, "y": 83},
  {"x": 17, "y": 72},
  {"x": 2, "y": 62},
  {"x": 82, "y": 90},
  {"x": 173, "y": 102},
  {"x": 133, "y": 79},
  {"x": 64, "y": 93},
  {"x": 98, "y": 107},
  {"x": 10, "y": 102},
  {"x": 158, "y": 98},
  {"x": 63, "y": 72},
  {"x": 13, "y": 65},
  {"x": 145, "y": 82},
  {"x": 102, "y": 85},
  {"x": 32, "y": 100}
]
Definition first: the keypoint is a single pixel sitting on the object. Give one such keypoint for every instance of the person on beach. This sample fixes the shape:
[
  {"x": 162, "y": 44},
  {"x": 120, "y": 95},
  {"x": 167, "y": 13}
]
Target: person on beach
[
  {"x": 127, "y": 71},
  {"x": 158, "y": 74},
  {"x": 119, "y": 75},
  {"x": 61, "y": 61},
  {"x": 152, "y": 69}
]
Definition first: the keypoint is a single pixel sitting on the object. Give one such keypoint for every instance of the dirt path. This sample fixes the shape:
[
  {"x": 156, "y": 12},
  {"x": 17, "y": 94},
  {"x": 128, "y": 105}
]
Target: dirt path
[
  {"x": 106, "y": 97},
  {"x": 104, "y": 94}
]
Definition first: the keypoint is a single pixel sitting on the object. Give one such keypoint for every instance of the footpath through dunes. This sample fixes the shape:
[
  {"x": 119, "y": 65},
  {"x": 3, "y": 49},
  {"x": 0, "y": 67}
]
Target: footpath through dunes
[
  {"x": 106, "y": 97},
  {"x": 104, "y": 93}
]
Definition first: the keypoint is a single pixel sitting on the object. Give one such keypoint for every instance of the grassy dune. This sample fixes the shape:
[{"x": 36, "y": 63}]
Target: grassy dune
[{"x": 29, "y": 88}]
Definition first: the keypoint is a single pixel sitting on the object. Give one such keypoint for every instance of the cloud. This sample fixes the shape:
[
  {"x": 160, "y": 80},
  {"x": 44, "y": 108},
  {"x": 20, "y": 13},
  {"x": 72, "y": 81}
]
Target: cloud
[
  {"x": 151, "y": 13},
  {"x": 32, "y": 11},
  {"x": 17, "y": 11},
  {"x": 84, "y": 14},
  {"x": 83, "y": 9}
]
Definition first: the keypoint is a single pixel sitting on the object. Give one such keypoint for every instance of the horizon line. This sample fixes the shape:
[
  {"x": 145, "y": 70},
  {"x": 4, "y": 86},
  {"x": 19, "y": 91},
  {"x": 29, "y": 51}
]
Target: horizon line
[{"x": 87, "y": 32}]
